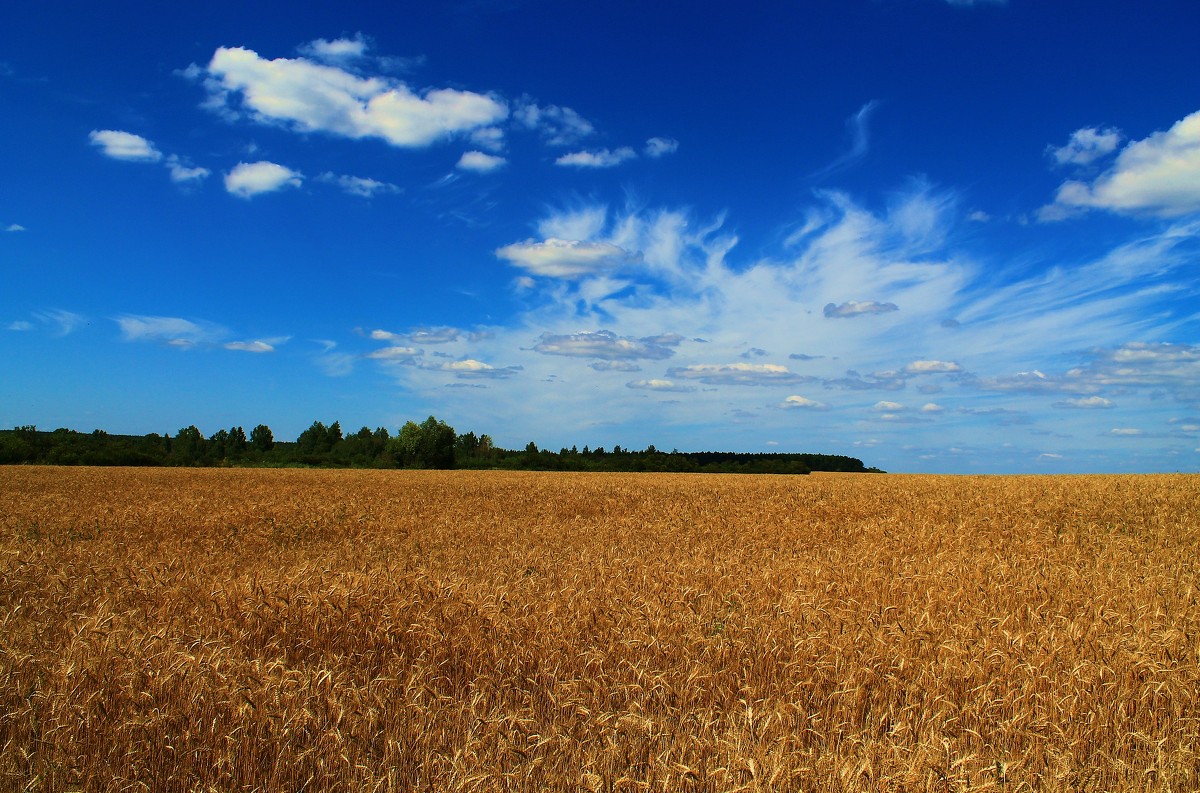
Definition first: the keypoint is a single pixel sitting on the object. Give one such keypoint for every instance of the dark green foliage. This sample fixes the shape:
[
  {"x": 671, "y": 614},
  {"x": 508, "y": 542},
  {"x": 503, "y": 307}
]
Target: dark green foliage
[{"x": 430, "y": 444}]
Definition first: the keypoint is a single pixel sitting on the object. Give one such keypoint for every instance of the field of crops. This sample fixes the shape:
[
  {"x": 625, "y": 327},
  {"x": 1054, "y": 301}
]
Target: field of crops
[{"x": 255, "y": 630}]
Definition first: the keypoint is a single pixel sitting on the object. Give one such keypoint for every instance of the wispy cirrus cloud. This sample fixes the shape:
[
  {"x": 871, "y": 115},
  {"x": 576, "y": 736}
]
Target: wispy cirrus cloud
[
  {"x": 361, "y": 186},
  {"x": 855, "y": 308},
  {"x": 58, "y": 322},
  {"x": 859, "y": 128},
  {"x": 174, "y": 331}
]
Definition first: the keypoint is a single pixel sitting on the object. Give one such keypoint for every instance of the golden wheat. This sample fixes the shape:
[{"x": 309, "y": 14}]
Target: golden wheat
[{"x": 235, "y": 630}]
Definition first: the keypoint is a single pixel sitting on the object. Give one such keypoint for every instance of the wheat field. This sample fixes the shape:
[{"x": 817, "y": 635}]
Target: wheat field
[{"x": 257, "y": 630}]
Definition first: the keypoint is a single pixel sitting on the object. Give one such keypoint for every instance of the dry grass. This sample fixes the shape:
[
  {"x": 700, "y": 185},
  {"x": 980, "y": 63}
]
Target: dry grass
[{"x": 218, "y": 630}]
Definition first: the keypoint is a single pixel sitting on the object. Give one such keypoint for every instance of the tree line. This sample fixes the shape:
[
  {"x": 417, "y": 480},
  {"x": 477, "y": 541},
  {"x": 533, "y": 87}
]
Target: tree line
[{"x": 430, "y": 444}]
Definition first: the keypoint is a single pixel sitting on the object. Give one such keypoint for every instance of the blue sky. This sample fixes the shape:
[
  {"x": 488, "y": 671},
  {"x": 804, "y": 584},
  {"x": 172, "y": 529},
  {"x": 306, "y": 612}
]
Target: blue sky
[{"x": 942, "y": 236}]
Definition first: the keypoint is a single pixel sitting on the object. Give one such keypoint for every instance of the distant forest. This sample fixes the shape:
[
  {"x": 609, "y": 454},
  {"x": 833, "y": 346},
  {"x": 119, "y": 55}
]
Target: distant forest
[{"x": 430, "y": 444}]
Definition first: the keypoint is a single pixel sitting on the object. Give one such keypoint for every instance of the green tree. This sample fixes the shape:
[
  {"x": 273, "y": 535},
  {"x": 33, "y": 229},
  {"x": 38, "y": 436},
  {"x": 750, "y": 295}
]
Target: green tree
[
  {"x": 188, "y": 446},
  {"x": 262, "y": 439},
  {"x": 429, "y": 444}
]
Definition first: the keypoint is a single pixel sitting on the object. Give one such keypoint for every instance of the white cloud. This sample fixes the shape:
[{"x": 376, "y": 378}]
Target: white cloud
[
  {"x": 434, "y": 335},
  {"x": 395, "y": 354},
  {"x": 60, "y": 322},
  {"x": 660, "y": 385},
  {"x": 337, "y": 51},
  {"x": 250, "y": 179},
  {"x": 258, "y": 345},
  {"x": 14, "y": 227},
  {"x": 1086, "y": 146},
  {"x": 854, "y": 308},
  {"x": 560, "y": 126},
  {"x": 860, "y": 144},
  {"x": 932, "y": 367},
  {"x": 174, "y": 331},
  {"x": 1085, "y": 403},
  {"x": 660, "y": 147},
  {"x": 471, "y": 368},
  {"x": 312, "y": 97},
  {"x": 332, "y": 362},
  {"x": 1157, "y": 175},
  {"x": 887, "y": 407},
  {"x": 358, "y": 185},
  {"x": 759, "y": 374},
  {"x": 182, "y": 173},
  {"x": 560, "y": 258},
  {"x": 799, "y": 402},
  {"x": 687, "y": 280},
  {"x": 124, "y": 146},
  {"x": 1125, "y": 432},
  {"x": 479, "y": 162},
  {"x": 601, "y": 158},
  {"x": 606, "y": 345},
  {"x": 931, "y": 407}
]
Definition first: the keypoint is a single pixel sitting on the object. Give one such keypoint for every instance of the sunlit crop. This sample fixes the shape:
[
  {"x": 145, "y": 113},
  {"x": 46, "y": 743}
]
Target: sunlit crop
[{"x": 257, "y": 630}]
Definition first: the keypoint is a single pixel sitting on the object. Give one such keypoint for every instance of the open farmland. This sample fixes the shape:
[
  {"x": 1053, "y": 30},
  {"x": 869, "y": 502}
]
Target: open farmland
[{"x": 256, "y": 630}]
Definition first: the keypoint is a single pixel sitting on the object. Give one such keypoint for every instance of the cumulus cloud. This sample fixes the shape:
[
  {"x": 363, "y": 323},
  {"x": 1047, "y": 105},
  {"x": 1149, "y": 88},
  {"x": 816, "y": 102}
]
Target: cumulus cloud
[
  {"x": 246, "y": 180},
  {"x": 798, "y": 402},
  {"x": 480, "y": 162},
  {"x": 931, "y": 407},
  {"x": 601, "y": 158},
  {"x": 1158, "y": 175},
  {"x": 854, "y": 308},
  {"x": 558, "y": 258},
  {"x": 14, "y": 227},
  {"x": 470, "y": 368},
  {"x": 124, "y": 146},
  {"x": 660, "y": 147},
  {"x": 1125, "y": 432},
  {"x": 313, "y": 97},
  {"x": 932, "y": 367},
  {"x": 885, "y": 406},
  {"x": 606, "y": 345},
  {"x": 1086, "y": 145},
  {"x": 759, "y": 374}
]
